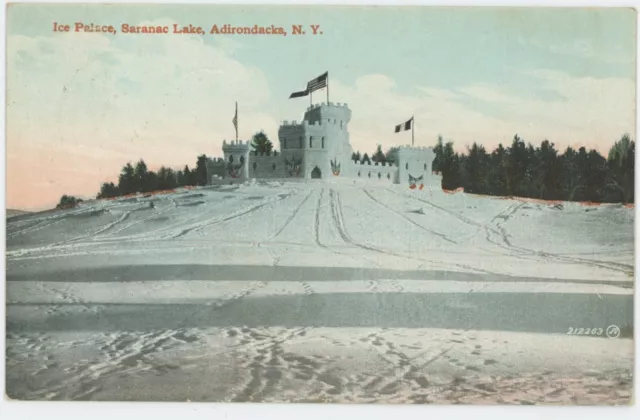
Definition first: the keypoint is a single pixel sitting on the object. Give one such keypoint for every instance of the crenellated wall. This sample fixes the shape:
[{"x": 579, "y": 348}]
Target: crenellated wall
[{"x": 375, "y": 172}]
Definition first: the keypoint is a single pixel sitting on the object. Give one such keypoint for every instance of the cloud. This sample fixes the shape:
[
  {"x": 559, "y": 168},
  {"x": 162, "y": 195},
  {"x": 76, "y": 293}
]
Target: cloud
[
  {"x": 105, "y": 99},
  {"x": 585, "y": 49},
  {"x": 578, "y": 111}
]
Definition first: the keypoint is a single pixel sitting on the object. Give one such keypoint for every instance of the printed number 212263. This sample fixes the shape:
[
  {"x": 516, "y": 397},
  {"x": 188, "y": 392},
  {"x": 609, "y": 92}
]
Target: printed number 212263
[{"x": 585, "y": 331}]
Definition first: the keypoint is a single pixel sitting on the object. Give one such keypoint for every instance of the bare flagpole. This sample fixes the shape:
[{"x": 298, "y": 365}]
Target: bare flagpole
[{"x": 236, "y": 124}]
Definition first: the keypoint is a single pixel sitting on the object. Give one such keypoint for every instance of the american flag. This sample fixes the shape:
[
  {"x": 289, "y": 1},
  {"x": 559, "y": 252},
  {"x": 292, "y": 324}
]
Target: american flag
[
  {"x": 235, "y": 121},
  {"x": 319, "y": 82}
]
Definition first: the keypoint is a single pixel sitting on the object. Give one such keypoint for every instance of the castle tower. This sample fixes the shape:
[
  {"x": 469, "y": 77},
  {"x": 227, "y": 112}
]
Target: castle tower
[
  {"x": 416, "y": 162},
  {"x": 317, "y": 147},
  {"x": 236, "y": 157}
]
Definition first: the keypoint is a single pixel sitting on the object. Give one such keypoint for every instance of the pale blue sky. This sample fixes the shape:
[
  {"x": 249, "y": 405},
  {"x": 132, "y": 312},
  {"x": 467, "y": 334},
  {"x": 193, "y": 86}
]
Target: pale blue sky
[
  {"x": 446, "y": 47},
  {"x": 469, "y": 74}
]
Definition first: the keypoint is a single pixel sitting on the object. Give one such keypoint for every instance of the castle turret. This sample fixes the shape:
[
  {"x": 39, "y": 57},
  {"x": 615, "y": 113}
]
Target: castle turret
[
  {"x": 320, "y": 143},
  {"x": 415, "y": 162},
  {"x": 236, "y": 157}
]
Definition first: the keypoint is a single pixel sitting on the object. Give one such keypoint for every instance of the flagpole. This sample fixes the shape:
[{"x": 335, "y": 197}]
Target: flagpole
[
  {"x": 327, "y": 89},
  {"x": 413, "y": 124},
  {"x": 236, "y": 121}
]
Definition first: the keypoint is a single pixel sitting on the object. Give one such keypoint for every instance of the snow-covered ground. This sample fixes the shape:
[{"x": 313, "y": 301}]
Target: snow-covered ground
[{"x": 321, "y": 291}]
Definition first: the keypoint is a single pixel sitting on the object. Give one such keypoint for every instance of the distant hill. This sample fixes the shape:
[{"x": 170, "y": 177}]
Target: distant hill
[{"x": 13, "y": 213}]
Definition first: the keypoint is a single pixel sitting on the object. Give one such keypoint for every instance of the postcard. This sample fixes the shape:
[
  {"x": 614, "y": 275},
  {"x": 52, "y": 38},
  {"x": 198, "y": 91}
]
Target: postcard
[{"x": 320, "y": 204}]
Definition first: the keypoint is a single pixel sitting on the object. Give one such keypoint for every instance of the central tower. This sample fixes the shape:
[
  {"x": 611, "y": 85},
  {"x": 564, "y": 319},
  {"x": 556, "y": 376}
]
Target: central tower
[{"x": 317, "y": 147}]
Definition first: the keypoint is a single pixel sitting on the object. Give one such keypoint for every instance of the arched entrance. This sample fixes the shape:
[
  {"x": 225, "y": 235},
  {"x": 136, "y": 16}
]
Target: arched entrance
[{"x": 316, "y": 173}]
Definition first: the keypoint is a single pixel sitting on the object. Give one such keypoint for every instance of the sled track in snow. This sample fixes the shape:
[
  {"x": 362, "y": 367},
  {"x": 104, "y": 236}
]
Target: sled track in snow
[
  {"x": 316, "y": 230},
  {"x": 33, "y": 228},
  {"x": 104, "y": 228},
  {"x": 522, "y": 251},
  {"x": 442, "y": 209},
  {"x": 294, "y": 214},
  {"x": 504, "y": 237},
  {"x": 161, "y": 232},
  {"x": 43, "y": 221},
  {"x": 233, "y": 216},
  {"x": 170, "y": 207},
  {"x": 339, "y": 220},
  {"x": 316, "y": 221},
  {"x": 404, "y": 217}
]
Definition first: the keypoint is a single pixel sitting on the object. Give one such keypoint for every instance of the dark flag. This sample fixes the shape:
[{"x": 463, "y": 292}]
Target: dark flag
[
  {"x": 404, "y": 126},
  {"x": 235, "y": 121},
  {"x": 315, "y": 84},
  {"x": 299, "y": 94}
]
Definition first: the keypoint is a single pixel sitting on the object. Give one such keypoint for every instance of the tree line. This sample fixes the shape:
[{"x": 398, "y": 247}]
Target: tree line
[
  {"x": 378, "y": 156},
  {"x": 540, "y": 172},
  {"x": 518, "y": 170},
  {"x": 139, "y": 178}
]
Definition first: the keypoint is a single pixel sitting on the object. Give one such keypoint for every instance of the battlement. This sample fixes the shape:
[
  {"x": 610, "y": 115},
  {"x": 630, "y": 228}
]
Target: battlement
[
  {"x": 330, "y": 104},
  {"x": 236, "y": 145},
  {"x": 415, "y": 148},
  {"x": 374, "y": 164},
  {"x": 329, "y": 121}
]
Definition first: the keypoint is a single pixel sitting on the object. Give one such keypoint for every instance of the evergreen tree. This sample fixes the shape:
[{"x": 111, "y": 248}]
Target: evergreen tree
[
  {"x": 596, "y": 177},
  {"x": 392, "y": 155},
  {"x": 439, "y": 152},
  {"x": 108, "y": 190},
  {"x": 126, "y": 180},
  {"x": 261, "y": 144},
  {"x": 366, "y": 159},
  {"x": 547, "y": 174},
  {"x": 67, "y": 201},
  {"x": 516, "y": 167},
  {"x": 151, "y": 182},
  {"x": 497, "y": 183},
  {"x": 140, "y": 177},
  {"x": 475, "y": 170},
  {"x": 572, "y": 181},
  {"x": 379, "y": 156},
  {"x": 449, "y": 165},
  {"x": 621, "y": 163},
  {"x": 201, "y": 170},
  {"x": 166, "y": 178}
]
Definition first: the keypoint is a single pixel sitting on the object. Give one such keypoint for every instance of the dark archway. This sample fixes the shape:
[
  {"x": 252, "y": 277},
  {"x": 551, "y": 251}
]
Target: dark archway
[{"x": 316, "y": 173}]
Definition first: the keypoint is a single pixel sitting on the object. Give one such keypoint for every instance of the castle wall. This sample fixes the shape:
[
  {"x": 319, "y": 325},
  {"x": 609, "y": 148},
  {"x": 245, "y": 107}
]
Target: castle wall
[
  {"x": 267, "y": 167},
  {"x": 216, "y": 168},
  {"x": 380, "y": 173}
]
